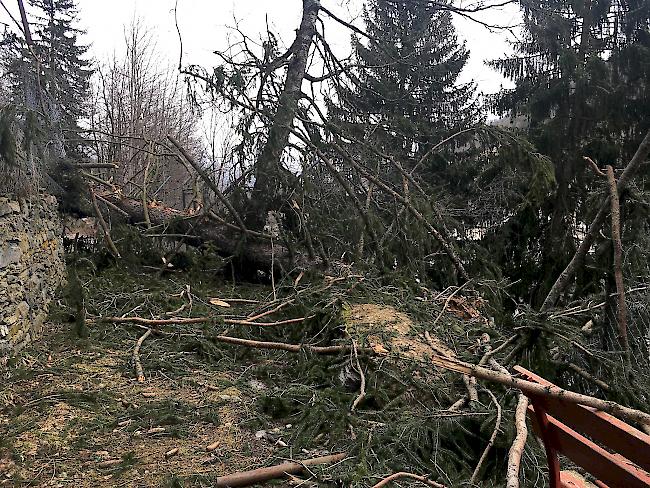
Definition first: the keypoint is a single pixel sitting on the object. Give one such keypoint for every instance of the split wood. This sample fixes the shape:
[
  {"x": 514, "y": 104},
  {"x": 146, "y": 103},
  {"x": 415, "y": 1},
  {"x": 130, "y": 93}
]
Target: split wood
[{"x": 260, "y": 475}]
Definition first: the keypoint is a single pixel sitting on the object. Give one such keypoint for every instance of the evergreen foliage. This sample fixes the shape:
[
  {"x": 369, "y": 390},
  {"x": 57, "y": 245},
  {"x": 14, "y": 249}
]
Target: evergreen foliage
[
  {"x": 65, "y": 68},
  {"x": 581, "y": 83}
]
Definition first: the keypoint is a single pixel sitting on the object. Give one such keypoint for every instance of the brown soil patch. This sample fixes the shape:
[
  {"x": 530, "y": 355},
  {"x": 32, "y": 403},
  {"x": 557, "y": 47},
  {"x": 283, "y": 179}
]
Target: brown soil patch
[{"x": 72, "y": 417}]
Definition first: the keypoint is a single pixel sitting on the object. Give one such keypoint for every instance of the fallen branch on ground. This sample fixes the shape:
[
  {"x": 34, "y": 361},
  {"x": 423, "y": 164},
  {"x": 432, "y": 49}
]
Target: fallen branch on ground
[
  {"x": 139, "y": 372},
  {"x": 199, "y": 320},
  {"x": 248, "y": 478},
  {"x": 517, "y": 448},
  {"x": 402, "y": 474},
  {"x": 497, "y": 424}
]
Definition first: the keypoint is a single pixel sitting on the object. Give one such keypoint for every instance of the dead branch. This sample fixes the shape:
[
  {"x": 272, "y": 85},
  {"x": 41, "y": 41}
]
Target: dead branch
[
  {"x": 139, "y": 372},
  {"x": 446, "y": 304},
  {"x": 594, "y": 167},
  {"x": 96, "y": 165},
  {"x": 618, "y": 257},
  {"x": 199, "y": 320},
  {"x": 362, "y": 388},
  {"x": 145, "y": 203},
  {"x": 206, "y": 178},
  {"x": 517, "y": 448},
  {"x": 586, "y": 375},
  {"x": 497, "y": 424},
  {"x": 402, "y": 474},
  {"x": 260, "y": 475},
  {"x": 104, "y": 226},
  {"x": 576, "y": 261}
]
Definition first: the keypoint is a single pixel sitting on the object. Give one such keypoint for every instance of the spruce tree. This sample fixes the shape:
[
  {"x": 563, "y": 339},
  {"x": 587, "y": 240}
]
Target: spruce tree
[
  {"x": 65, "y": 70},
  {"x": 408, "y": 94},
  {"x": 581, "y": 75},
  {"x": 405, "y": 99}
]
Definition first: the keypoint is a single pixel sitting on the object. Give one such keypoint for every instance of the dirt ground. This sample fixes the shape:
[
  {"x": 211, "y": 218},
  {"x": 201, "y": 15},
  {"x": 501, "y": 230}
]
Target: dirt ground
[{"x": 73, "y": 415}]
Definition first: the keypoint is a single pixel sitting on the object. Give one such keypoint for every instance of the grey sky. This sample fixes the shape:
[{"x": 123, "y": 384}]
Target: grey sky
[{"x": 204, "y": 26}]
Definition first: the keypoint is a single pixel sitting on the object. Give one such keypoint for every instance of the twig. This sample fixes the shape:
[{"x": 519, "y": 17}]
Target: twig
[
  {"x": 444, "y": 307},
  {"x": 517, "y": 448},
  {"x": 402, "y": 474},
  {"x": 594, "y": 167},
  {"x": 497, "y": 424},
  {"x": 139, "y": 372},
  {"x": 362, "y": 388},
  {"x": 104, "y": 226}
]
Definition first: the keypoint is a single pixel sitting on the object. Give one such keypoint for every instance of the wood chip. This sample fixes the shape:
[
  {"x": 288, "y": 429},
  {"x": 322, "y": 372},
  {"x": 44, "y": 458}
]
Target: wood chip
[
  {"x": 219, "y": 303},
  {"x": 212, "y": 446},
  {"x": 108, "y": 463},
  {"x": 172, "y": 452},
  {"x": 148, "y": 394},
  {"x": 156, "y": 430}
]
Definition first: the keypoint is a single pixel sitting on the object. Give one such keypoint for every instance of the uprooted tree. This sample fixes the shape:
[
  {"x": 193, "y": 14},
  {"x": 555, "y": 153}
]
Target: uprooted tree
[{"x": 383, "y": 162}]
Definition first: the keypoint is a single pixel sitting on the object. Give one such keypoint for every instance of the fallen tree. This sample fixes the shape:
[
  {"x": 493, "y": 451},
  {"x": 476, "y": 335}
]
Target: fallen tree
[{"x": 255, "y": 251}]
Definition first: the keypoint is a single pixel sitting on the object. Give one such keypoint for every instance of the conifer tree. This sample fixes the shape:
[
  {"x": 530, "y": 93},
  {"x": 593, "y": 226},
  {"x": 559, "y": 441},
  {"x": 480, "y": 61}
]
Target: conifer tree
[
  {"x": 65, "y": 70},
  {"x": 580, "y": 71},
  {"x": 406, "y": 98},
  {"x": 408, "y": 94}
]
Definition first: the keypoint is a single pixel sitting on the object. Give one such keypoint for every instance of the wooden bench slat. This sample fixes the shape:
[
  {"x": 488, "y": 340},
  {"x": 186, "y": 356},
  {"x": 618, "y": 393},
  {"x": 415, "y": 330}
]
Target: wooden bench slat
[
  {"x": 600, "y": 426},
  {"x": 607, "y": 467}
]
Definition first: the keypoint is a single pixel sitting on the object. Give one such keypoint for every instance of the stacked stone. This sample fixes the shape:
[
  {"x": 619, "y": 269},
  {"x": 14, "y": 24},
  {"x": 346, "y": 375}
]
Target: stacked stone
[{"x": 32, "y": 268}]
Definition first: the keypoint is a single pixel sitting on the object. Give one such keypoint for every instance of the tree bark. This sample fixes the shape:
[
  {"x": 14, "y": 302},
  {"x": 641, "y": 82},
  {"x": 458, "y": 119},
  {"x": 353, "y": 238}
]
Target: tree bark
[
  {"x": 618, "y": 258},
  {"x": 267, "y": 166}
]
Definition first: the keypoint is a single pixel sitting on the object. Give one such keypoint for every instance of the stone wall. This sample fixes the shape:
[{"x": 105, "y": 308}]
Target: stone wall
[{"x": 31, "y": 268}]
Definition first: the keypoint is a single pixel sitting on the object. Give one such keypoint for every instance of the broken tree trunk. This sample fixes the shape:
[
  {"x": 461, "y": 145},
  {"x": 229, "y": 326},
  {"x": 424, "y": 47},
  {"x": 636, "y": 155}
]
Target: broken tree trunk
[
  {"x": 267, "y": 167},
  {"x": 252, "y": 252}
]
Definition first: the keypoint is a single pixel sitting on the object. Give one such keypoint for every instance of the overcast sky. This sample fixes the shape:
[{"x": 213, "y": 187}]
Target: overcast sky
[{"x": 206, "y": 24}]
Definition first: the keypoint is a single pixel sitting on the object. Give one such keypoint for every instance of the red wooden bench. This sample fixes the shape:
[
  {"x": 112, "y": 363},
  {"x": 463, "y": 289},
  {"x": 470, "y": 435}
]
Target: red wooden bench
[{"x": 615, "y": 453}]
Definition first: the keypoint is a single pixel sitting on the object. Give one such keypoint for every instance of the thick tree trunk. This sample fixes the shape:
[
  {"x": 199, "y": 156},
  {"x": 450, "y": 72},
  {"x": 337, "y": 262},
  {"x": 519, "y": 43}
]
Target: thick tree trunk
[
  {"x": 267, "y": 169},
  {"x": 252, "y": 253}
]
